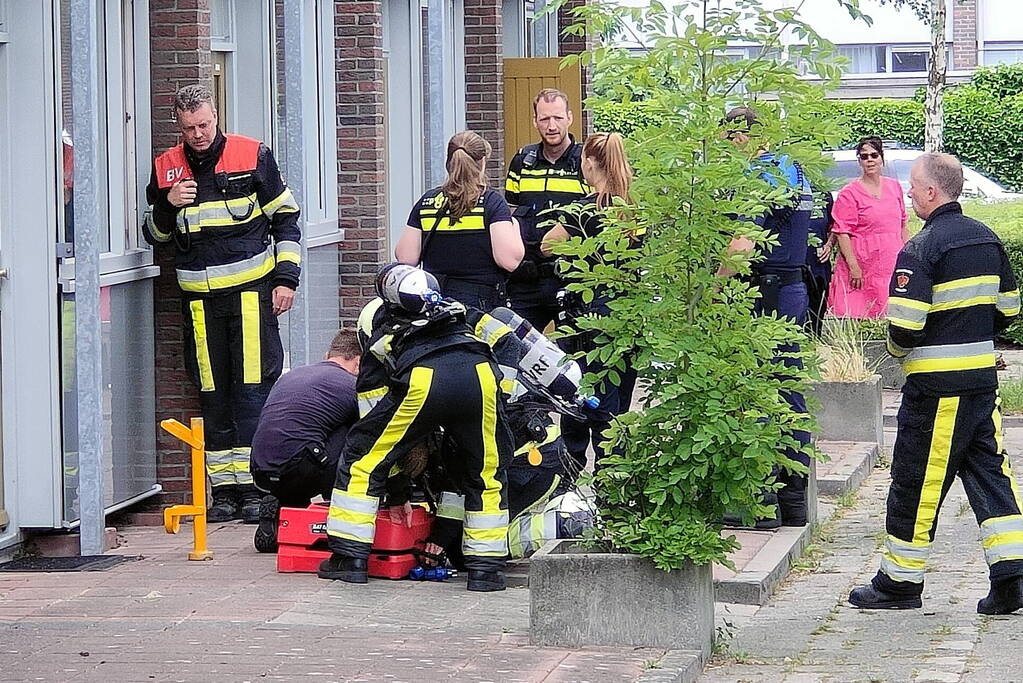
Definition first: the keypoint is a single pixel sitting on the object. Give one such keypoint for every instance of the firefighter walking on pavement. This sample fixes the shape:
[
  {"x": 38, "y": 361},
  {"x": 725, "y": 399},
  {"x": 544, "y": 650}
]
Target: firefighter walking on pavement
[
  {"x": 221, "y": 201},
  {"x": 951, "y": 293},
  {"x": 542, "y": 176}
]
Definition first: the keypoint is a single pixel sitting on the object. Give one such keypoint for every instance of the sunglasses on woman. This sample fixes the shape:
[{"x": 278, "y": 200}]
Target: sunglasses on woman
[{"x": 869, "y": 155}]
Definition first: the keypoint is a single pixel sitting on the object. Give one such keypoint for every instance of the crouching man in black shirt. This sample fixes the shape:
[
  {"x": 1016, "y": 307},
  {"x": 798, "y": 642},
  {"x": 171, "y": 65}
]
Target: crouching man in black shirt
[{"x": 301, "y": 432}]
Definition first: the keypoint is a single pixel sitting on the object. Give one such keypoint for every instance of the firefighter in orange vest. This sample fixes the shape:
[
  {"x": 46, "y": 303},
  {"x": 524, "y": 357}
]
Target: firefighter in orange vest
[{"x": 234, "y": 224}]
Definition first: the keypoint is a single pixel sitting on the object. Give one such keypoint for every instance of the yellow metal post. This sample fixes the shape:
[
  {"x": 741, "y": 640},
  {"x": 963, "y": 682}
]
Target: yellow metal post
[{"x": 195, "y": 438}]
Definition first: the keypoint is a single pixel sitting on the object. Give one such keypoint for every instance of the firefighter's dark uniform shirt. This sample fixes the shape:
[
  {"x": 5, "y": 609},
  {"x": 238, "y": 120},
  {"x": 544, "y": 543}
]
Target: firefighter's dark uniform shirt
[
  {"x": 952, "y": 291},
  {"x": 312, "y": 405},
  {"x": 243, "y": 225},
  {"x": 460, "y": 249}
]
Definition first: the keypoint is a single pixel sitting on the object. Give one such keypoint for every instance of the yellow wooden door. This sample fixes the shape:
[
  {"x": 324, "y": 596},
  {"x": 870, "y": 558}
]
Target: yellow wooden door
[{"x": 523, "y": 79}]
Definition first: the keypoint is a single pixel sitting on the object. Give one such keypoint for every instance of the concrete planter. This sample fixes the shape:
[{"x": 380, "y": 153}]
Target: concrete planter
[
  {"x": 884, "y": 364},
  {"x": 850, "y": 411},
  {"x": 580, "y": 597}
]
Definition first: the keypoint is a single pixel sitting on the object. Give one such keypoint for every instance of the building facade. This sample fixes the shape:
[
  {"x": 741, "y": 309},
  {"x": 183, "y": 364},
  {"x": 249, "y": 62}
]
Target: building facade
[{"x": 357, "y": 110}]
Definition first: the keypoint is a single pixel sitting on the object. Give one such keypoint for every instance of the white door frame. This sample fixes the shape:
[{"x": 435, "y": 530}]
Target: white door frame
[{"x": 28, "y": 332}]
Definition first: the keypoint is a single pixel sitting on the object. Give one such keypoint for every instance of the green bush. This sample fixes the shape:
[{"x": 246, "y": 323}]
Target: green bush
[
  {"x": 1005, "y": 80},
  {"x": 624, "y": 117}
]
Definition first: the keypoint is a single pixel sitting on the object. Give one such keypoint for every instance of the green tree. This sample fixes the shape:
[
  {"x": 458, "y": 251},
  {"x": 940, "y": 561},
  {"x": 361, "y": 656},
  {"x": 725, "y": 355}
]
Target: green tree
[{"x": 713, "y": 421}]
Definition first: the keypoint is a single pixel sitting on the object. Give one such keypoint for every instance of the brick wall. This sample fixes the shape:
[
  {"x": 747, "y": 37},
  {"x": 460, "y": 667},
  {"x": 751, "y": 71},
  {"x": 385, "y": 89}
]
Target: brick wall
[
  {"x": 571, "y": 45},
  {"x": 180, "y": 55},
  {"x": 964, "y": 34},
  {"x": 362, "y": 152},
  {"x": 484, "y": 79}
]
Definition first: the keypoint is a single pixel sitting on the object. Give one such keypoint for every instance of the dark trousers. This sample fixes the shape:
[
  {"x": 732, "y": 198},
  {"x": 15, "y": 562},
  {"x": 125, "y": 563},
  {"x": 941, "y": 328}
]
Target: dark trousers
[
  {"x": 536, "y": 301},
  {"x": 456, "y": 389},
  {"x": 580, "y": 434},
  {"x": 792, "y": 303},
  {"x": 233, "y": 353},
  {"x": 309, "y": 474},
  {"x": 482, "y": 297},
  {"x": 817, "y": 293},
  {"x": 939, "y": 439}
]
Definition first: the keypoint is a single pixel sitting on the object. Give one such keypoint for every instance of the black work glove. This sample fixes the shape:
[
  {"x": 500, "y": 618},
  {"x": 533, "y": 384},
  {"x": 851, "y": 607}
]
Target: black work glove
[{"x": 526, "y": 272}]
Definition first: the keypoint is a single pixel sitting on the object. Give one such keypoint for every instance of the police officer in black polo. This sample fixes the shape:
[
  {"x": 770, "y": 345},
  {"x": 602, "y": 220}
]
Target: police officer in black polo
[
  {"x": 541, "y": 176},
  {"x": 779, "y": 276}
]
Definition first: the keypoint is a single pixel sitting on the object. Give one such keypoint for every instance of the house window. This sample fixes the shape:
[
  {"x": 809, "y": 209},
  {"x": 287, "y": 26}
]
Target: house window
[
  {"x": 909, "y": 61},
  {"x": 865, "y": 59},
  {"x": 124, "y": 136},
  {"x": 994, "y": 54}
]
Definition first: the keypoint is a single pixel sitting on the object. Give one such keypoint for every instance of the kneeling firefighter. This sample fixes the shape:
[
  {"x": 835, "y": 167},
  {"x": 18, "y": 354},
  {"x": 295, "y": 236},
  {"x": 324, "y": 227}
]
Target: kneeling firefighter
[
  {"x": 423, "y": 367},
  {"x": 541, "y": 379}
]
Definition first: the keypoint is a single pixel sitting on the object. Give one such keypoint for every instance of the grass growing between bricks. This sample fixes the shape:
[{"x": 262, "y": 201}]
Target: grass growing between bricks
[{"x": 1011, "y": 392}]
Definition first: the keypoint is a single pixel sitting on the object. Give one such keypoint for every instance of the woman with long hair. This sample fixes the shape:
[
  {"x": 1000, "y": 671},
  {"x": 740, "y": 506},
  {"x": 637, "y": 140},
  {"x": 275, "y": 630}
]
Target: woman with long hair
[
  {"x": 870, "y": 222},
  {"x": 462, "y": 232},
  {"x": 606, "y": 169}
]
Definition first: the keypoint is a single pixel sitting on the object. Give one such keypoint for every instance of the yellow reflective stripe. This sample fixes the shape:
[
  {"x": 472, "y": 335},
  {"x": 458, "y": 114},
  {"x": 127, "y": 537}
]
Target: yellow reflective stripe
[
  {"x": 491, "y": 487},
  {"x": 511, "y": 185},
  {"x": 914, "y": 325},
  {"x": 532, "y": 185},
  {"x": 490, "y": 329},
  {"x": 220, "y": 213},
  {"x": 895, "y": 349},
  {"x": 1009, "y": 302},
  {"x": 158, "y": 234},
  {"x": 242, "y": 277},
  {"x": 283, "y": 203},
  {"x": 288, "y": 250},
  {"x": 420, "y": 381},
  {"x": 937, "y": 468},
  {"x": 986, "y": 300},
  {"x": 468, "y": 222},
  {"x": 252, "y": 370},
  {"x": 487, "y": 535},
  {"x": 909, "y": 303},
  {"x": 1001, "y": 539},
  {"x": 565, "y": 185},
  {"x": 986, "y": 360},
  {"x": 906, "y": 562},
  {"x": 966, "y": 282},
  {"x": 202, "y": 350}
]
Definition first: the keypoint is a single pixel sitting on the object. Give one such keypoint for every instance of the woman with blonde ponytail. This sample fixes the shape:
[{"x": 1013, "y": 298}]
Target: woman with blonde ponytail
[
  {"x": 462, "y": 232},
  {"x": 606, "y": 169}
]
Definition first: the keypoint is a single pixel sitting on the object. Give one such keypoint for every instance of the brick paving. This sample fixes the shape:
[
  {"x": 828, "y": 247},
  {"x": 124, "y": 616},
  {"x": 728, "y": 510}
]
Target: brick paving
[{"x": 163, "y": 618}]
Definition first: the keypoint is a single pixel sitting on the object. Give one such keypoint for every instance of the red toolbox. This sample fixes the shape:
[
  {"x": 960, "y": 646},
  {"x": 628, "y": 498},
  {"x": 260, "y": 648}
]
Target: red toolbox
[{"x": 302, "y": 541}]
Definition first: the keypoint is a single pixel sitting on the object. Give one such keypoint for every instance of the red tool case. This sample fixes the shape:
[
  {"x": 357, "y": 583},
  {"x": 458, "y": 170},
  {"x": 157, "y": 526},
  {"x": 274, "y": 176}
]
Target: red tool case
[{"x": 302, "y": 541}]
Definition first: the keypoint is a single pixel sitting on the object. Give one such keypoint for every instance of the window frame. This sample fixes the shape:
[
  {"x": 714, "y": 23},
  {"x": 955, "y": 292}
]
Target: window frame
[
  {"x": 125, "y": 123},
  {"x": 908, "y": 49}
]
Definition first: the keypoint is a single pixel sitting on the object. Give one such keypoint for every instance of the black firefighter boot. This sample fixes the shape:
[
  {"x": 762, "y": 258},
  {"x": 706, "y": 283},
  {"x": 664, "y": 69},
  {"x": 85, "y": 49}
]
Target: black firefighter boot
[
  {"x": 872, "y": 597},
  {"x": 485, "y": 582},
  {"x": 265, "y": 538},
  {"x": 249, "y": 500},
  {"x": 344, "y": 568},
  {"x": 225, "y": 504},
  {"x": 1005, "y": 597}
]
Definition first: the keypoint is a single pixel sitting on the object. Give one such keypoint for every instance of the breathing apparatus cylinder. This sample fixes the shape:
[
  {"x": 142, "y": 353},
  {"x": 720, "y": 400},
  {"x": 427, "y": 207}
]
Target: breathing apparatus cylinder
[
  {"x": 544, "y": 364},
  {"x": 407, "y": 287}
]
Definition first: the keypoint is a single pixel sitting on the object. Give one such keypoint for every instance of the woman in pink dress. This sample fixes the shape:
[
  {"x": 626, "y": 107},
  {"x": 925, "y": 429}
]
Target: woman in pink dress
[{"x": 870, "y": 228}]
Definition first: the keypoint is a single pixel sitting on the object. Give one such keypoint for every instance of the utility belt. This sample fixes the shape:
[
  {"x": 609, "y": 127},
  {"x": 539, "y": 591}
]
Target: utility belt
[
  {"x": 770, "y": 285},
  {"x": 497, "y": 291}
]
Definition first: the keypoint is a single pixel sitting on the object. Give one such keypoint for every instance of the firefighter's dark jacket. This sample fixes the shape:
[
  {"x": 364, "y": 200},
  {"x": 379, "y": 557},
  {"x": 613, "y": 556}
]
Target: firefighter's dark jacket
[
  {"x": 243, "y": 225},
  {"x": 952, "y": 291},
  {"x": 394, "y": 342}
]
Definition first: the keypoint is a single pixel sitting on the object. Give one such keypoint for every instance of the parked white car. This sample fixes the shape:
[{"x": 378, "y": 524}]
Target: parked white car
[{"x": 897, "y": 163}]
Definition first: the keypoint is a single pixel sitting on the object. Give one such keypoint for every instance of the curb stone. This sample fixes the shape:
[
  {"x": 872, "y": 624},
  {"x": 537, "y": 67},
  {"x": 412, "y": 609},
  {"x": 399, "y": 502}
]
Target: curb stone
[
  {"x": 770, "y": 565},
  {"x": 851, "y": 463},
  {"x": 676, "y": 666}
]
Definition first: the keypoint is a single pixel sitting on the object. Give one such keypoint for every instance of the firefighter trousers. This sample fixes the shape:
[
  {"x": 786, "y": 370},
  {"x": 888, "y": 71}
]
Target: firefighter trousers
[
  {"x": 454, "y": 388},
  {"x": 939, "y": 439},
  {"x": 233, "y": 353}
]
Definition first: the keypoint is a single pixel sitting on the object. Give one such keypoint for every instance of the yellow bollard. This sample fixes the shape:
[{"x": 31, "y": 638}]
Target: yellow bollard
[{"x": 195, "y": 438}]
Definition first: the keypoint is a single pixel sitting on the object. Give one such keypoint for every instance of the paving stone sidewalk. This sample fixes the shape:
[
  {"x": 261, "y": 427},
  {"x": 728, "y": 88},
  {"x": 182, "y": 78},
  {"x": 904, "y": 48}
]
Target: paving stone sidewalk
[
  {"x": 808, "y": 632},
  {"x": 235, "y": 618}
]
